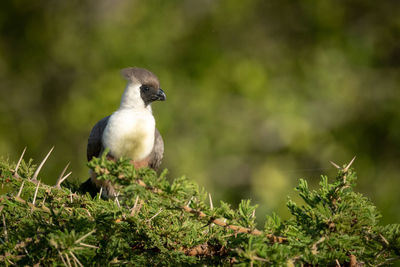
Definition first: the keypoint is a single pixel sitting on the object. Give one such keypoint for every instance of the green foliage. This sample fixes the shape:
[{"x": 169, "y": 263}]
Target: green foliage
[
  {"x": 265, "y": 89},
  {"x": 157, "y": 222}
]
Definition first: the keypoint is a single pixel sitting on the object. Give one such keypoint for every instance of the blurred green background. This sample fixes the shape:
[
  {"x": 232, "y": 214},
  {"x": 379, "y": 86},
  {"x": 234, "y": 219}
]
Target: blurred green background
[{"x": 259, "y": 93}]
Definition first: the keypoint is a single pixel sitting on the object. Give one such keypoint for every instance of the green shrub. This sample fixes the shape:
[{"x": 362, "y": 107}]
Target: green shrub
[{"x": 157, "y": 222}]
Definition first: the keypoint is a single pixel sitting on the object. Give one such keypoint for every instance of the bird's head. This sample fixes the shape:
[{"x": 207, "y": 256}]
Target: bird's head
[{"x": 143, "y": 87}]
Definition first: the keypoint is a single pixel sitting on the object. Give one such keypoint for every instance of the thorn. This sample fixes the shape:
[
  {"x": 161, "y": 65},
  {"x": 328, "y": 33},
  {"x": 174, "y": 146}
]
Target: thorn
[
  {"x": 62, "y": 258},
  {"x": 338, "y": 264},
  {"x": 70, "y": 195},
  {"x": 335, "y": 165},
  {"x": 116, "y": 200},
  {"x": 68, "y": 261},
  {"x": 190, "y": 201},
  {"x": 41, "y": 165},
  {"x": 101, "y": 191},
  {"x": 87, "y": 245},
  {"x": 5, "y": 228},
  {"x": 88, "y": 212},
  {"x": 27, "y": 253},
  {"x": 253, "y": 214},
  {"x": 44, "y": 200},
  {"x": 136, "y": 201},
  {"x": 59, "y": 180},
  {"x": 19, "y": 162},
  {"x": 348, "y": 165},
  {"x": 20, "y": 189},
  {"x": 84, "y": 236},
  {"x": 36, "y": 191},
  {"x": 134, "y": 206},
  {"x": 211, "y": 202},
  {"x": 384, "y": 239},
  {"x": 154, "y": 215},
  {"x": 75, "y": 259}
]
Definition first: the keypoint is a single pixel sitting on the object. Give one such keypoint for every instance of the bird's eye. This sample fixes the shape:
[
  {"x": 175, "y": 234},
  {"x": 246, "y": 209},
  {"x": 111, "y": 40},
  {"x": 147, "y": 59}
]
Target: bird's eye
[{"x": 145, "y": 88}]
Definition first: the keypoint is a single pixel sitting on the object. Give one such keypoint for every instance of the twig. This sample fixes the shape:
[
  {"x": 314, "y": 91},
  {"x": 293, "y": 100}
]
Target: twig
[
  {"x": 204, "y": 249},
  {"x": 153, "y": 189},
  {"x": 19, "y": 162},
  {"x": 314, "y": 248},
  {"x": 199, "y": 250},
  {"x": 35, "y": 175},
  {"x": 36, "y": 191},
  {"x": 220, "y": 222},
  {"x": 237, "y": 229},
  {"x": 43, "y": 208},
  {"x": 353, "y": 261},
  {"x": 61, "y": 178},
  {"x": 20, "y": 189}
]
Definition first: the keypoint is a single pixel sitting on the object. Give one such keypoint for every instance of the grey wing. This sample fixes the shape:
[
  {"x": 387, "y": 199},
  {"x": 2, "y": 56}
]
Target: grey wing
[
  {"x": 95, "y": 145},
  {"x": 157, "y": 153}
]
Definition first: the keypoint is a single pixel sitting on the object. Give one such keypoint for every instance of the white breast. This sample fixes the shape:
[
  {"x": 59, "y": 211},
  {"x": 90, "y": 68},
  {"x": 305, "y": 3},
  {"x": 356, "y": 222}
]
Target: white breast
[{"x": 130, "y": 133}]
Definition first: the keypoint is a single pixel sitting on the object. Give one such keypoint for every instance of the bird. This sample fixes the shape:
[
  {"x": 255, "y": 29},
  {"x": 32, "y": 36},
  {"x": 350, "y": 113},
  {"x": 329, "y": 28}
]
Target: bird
[{"x": 130, "y": 131}]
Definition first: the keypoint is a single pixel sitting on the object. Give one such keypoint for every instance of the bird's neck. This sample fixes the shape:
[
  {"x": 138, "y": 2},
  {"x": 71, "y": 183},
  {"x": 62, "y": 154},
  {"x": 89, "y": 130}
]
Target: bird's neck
[{"x": 131, "y": 99}]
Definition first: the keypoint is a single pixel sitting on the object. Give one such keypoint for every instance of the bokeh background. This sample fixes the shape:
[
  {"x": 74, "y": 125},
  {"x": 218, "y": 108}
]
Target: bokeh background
[{"x": 259, "y": 93}]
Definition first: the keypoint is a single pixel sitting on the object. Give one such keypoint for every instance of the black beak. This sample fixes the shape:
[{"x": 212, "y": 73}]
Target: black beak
[{"x": 161, "y": 95}]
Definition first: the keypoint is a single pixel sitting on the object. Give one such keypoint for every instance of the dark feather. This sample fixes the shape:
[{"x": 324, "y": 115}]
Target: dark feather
[
  {"x": 157, "y": 153},
  {"x": 95, "y": 145}
]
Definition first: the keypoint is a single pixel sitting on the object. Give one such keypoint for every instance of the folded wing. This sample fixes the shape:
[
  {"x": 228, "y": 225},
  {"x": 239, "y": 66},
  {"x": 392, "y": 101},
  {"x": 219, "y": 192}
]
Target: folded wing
[{"x": 95, "y": 145}]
